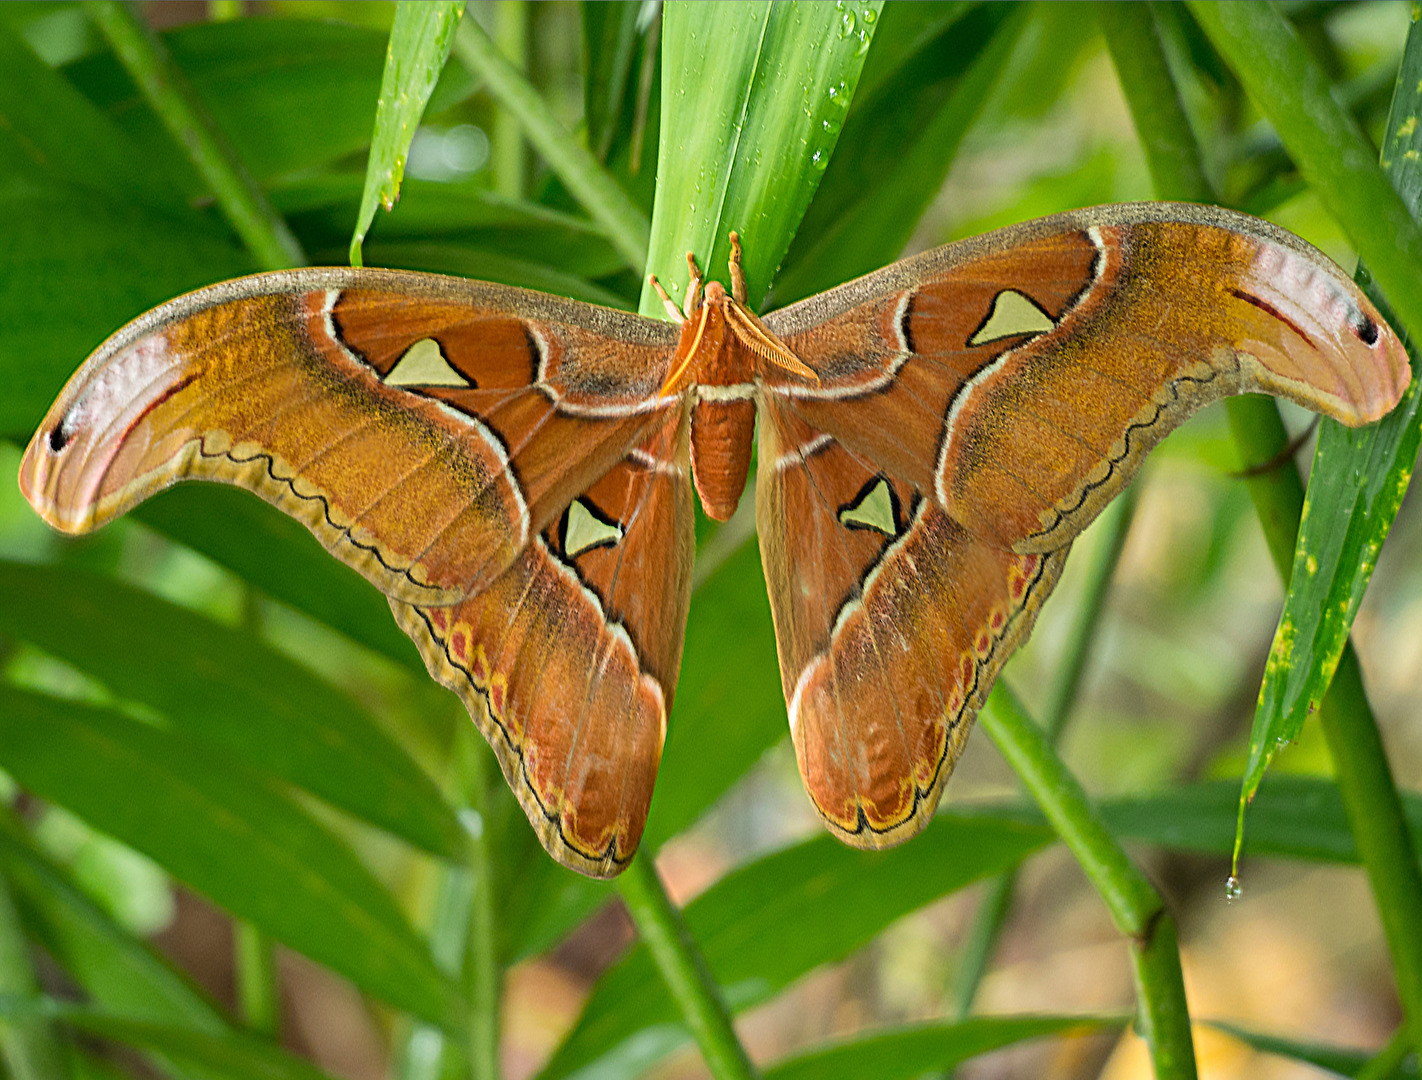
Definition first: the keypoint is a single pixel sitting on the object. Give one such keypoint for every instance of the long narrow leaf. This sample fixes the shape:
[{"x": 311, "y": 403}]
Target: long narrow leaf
[
  {"x": 909, "y": 1052},
  {"x": 119, "y": 972},
  {"x": 218, "y": 685},
  {"x": 1342, "y": 1061},
  {"x": 236, "y": 1055},
  {"x": 275, "y": 553},
  {"x": 228, "y": 835},
  {"x": 865, "y": 212},
  {"x": 420, "y": 41}
]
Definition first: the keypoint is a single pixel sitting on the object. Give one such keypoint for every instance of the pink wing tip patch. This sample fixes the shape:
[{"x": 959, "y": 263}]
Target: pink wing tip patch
[{"x": 67, "y": 461}]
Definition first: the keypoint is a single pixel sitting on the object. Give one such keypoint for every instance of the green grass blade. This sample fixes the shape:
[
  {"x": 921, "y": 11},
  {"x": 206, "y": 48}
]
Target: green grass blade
[
  {"x": 227, "y": 834},
  {"x": 753, "y": 100},
  {"x": 217, "y": 684},
  {"x": 420, "y": 40},
  {"x": 1339, "y": 1060},
  {"x": 1356, "y": 485},
  {"x": 592, "y": 185},
  {"x": 907, "y": 1053}
]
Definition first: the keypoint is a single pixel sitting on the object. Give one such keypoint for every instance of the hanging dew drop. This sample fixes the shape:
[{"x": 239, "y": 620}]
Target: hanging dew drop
[{"x": 1233, "y": 889}]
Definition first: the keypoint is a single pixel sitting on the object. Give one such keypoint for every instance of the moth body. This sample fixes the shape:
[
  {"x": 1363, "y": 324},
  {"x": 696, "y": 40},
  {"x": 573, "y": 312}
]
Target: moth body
[{"x": 719, "y": 357}]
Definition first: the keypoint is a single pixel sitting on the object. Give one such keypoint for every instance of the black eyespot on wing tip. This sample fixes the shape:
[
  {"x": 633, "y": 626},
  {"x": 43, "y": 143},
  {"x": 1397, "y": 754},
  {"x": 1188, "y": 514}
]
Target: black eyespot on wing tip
[
  {"x": 58, "y": 439},
  {"x": 1366, "y": 329}
]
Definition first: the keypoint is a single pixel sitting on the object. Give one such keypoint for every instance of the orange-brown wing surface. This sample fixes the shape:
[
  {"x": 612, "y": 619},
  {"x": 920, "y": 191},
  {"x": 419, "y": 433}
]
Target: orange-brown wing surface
[
  {"x": 567, "y": 661},
  {"x": 1018, "y": 378},
  {"x": 425, "y": 429},
  {"x": 892, "y": 622}
]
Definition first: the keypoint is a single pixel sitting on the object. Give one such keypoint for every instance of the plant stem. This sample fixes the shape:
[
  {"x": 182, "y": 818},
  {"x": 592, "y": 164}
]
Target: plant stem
[
  {"x": 1387, "y": 1063},
  {"x": 506, "y": 136},
  {"x": 241, "y": 200},
  {"x": 1129, "y": 897},
  {"x": 482, "y": 964},
  {"x": 258, "y": 997},
  {"x": 600, "y": 195},
  {"x": 1375, "y": 815},
  {"x": 683, "y": 968},
  {"x": 1161, "y": 124},
  {"x": 993, "y": 909},
  {"x": 1163, "y": 1017},
  {"x": 29, "y": 1047}
]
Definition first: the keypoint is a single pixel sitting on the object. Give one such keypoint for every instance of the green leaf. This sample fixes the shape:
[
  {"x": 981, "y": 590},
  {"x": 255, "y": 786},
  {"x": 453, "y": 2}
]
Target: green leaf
[
  {"x": 728, "y": 669},
  {"x": 420, "y": 40},
  {"x": 447, "y": 257},
  {"x": 767, "y": 923},
  {"x": 753, "y": 100},
  {"x": 908, "y": 1053},
  {"x": 217, "y": 684},
  {"x": 1356, "y": 486},
  {"x": 277, "y": 555},
  {"x": 60, "y": 243},
  {"x": 863, "y": 214},
  {"x": 118, "y": 971},
  {"x": 51, "y": 134},
  {"x": 227, "y": 834},
  {"x": 288, "y": 94},
  {"x": 1292, "y": 816},
  {"x": 77, "y": 200},
  {"x": 610, "y": 48},
  {"x": 1335, "y": 1059},
  {"x": 234, "y": 1054}
]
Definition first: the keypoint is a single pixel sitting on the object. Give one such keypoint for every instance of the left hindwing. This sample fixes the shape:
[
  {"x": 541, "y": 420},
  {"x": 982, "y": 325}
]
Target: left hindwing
[
  {"x": 568, "y": 660},
  {"x": 891, "y": 621}
]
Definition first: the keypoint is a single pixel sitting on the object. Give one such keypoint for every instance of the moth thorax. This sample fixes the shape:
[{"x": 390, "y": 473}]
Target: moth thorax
[{"x": 720, "y": 452}]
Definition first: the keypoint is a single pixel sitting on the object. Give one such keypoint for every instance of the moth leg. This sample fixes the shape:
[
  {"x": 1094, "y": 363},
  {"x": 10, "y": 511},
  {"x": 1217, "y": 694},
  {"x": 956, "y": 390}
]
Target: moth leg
[
  {"x": 693, "y": 286},
  {"x": 667, "y": 301},
  {"x": 738, "y": 277}
]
